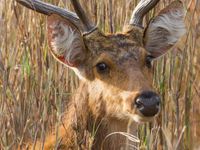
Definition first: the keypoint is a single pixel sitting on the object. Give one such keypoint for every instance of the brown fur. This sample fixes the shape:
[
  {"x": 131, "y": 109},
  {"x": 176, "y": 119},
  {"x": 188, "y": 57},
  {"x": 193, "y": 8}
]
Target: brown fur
[
  {"x": 98, "y": 104},
  {"x": 104, "y": 102}
]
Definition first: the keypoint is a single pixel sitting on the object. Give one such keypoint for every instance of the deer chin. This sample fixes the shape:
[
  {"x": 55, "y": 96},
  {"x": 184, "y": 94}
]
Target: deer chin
[
  {"x": 141, "y": 119},
  {"x": 137, "y": 117}
]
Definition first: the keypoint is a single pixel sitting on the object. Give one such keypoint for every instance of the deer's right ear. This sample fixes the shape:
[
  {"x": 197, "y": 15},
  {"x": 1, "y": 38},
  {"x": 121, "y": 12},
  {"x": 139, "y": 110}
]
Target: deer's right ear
[{"x": 66, "y": 41}]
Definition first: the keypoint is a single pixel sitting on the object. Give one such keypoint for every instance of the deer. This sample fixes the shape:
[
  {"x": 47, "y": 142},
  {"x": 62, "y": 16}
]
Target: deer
[{"x": 115, "y": 71}]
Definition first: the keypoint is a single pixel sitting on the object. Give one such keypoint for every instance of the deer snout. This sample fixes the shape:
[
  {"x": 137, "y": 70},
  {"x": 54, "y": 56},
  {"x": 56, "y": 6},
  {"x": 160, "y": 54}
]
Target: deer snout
[{"x": 148, "y": 103}]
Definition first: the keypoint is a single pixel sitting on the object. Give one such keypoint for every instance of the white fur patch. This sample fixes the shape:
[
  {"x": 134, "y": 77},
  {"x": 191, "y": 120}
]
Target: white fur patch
[
  {"x": 125, "y": 94},
  {"x": 139, "y": 119},
  {"x": 80, "y": 74}
]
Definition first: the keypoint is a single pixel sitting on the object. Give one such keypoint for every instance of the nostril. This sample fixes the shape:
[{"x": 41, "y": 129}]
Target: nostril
[{"x": 139, "y": 104}]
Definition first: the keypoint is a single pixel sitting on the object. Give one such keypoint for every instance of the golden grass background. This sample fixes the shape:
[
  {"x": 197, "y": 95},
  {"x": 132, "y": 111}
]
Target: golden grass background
[{"x": 34, "y": 88}]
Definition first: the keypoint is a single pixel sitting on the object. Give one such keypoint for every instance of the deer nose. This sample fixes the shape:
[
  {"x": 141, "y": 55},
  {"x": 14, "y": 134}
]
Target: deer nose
[{"x": 148, "y": 103}]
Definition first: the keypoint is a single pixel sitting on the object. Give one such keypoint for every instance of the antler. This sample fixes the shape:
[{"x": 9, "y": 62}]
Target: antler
[
  {"x": 49, "y": 9},
  {"x": 82, "y": 15},
  {"x": 143, "y": 7}
]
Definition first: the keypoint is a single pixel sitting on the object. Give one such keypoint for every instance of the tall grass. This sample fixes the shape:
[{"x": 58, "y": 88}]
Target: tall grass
[{"x": 34, "y": 88}]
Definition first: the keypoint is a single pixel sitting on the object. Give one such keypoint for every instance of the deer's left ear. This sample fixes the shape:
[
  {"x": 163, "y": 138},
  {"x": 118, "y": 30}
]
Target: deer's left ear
[{"x": 165, "y": 29}]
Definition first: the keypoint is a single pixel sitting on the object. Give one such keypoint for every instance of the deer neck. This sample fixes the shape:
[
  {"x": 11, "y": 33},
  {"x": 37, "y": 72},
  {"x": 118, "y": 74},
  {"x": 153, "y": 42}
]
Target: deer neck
[
  {"x": 106, "y": 131},
  {"x": 109, "y": 133}
]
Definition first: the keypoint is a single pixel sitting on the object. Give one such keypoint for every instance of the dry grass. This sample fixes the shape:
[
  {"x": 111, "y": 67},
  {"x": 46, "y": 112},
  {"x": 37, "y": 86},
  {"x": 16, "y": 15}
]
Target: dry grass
[{"x": 34, "y": 88}]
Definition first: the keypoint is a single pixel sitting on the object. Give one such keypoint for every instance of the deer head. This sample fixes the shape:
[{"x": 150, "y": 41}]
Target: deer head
[{"x": 116, "y": 67}]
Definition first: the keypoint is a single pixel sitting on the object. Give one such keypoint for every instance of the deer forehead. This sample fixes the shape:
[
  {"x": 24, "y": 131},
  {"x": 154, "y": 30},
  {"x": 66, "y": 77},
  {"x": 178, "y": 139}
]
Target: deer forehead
[{"x": 120, "y": 47}]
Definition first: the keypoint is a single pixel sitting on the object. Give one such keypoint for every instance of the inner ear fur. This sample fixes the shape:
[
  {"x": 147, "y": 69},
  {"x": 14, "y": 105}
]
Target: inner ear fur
[
  {"x": 165, "y": 29},
  {"x": 66, "y": 41}
]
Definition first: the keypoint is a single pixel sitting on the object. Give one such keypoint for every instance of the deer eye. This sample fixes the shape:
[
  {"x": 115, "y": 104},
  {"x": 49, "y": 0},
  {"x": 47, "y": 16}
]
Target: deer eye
[
  {"x": 102, "y": 67},
  {"x": 148, "y": 61}
]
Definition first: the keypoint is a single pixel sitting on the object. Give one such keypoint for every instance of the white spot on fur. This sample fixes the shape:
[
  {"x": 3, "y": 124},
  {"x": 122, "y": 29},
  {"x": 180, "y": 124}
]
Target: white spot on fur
[
  {"x": 80, "y": 74},
  {"x": 139, "y": 119},
  {"x": 125, "y": 94}
]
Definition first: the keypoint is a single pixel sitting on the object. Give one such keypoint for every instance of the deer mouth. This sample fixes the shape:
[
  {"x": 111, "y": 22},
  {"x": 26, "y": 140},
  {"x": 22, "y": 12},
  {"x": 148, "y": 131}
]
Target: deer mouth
[{"x": 140, "y": 118}]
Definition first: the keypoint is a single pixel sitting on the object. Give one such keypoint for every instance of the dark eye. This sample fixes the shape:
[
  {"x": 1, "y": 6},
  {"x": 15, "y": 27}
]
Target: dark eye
[
  {"x": 148, "y": 61},
  {"x": 102, "y": 67}
]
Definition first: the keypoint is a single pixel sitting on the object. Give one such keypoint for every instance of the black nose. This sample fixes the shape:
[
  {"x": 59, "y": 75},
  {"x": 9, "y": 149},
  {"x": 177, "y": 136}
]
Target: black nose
[{"x": 148, "y": 103}]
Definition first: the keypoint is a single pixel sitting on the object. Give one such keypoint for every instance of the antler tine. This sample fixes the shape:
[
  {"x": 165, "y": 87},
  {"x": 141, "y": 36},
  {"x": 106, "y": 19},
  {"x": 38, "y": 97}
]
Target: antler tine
[
  {"x": 82, "y": 15},
  {"x": 143, "y": 7},
  {"x": 49, "y": 9}
]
